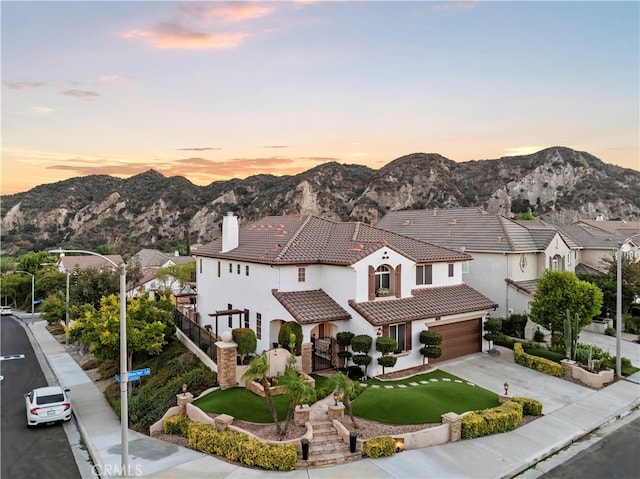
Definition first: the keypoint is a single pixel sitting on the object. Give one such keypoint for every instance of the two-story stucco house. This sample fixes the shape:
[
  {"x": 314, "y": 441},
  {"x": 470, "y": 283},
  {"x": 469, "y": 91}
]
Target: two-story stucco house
[
  {"x": 330, "y": 277},
  {"x": 508, "y": 256},
  {"x": 600, "y": 239}
]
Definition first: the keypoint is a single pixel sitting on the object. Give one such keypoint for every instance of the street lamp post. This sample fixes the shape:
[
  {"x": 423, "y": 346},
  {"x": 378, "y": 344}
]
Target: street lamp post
[
  {"x": 33, "y": 289},
  {"x": 124, "y": 374}
]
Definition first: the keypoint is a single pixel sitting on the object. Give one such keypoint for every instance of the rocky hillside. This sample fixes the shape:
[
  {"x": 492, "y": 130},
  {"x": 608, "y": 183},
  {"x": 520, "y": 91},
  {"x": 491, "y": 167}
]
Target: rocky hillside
[{"x": 149, "y": 210}]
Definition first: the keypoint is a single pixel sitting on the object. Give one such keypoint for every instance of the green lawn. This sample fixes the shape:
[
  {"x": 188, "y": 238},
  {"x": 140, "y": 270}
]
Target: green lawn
[
  {"x": 243, "y": 404},
  {"x": 425, "y": 403}
]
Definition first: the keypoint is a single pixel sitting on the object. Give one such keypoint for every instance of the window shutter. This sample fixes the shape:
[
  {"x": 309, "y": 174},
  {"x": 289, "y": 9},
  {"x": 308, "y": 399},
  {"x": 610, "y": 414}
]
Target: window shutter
[
  {"x": 372, "y": 283},
  {"x": 408, "y": 334},
  {"x": 385, "y": 330},
  {"x": 398, "y": 285}
]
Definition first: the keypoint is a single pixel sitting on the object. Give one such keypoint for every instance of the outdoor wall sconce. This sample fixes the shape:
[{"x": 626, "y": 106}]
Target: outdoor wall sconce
[
  {"x": 335, "y": 399},
  {"x": 184, "y": 389},
  {"x": 379, "y": 332},
  {"x": 506, "y": 388},
  {"x": 399, "y": 443}
]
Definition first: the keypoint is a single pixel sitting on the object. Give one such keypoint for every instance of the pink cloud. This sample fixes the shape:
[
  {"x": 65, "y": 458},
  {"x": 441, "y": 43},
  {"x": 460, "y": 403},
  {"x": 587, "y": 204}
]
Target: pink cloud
[
  {"x": 171, "y": 35},
  {"x": 227, "y": 11},
  {"x": 21, "y": 85}
]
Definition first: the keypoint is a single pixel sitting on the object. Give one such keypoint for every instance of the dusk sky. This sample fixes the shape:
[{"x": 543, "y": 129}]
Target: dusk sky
[{"x": 215, "y": 90}]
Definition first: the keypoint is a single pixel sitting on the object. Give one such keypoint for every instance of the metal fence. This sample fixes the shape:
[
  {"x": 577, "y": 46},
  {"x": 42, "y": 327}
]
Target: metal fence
[{"x": 197, "y": 334}]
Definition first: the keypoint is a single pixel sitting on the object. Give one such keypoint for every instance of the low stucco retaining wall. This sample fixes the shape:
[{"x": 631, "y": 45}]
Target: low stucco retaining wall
[
  {"x": 595, "y": 380},
  {"x": 431, "y": 436}
]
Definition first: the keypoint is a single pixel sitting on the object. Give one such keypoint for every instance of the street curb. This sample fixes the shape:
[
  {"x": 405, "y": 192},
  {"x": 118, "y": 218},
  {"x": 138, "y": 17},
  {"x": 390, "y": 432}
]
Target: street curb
[{"x": 86, "y": 438}]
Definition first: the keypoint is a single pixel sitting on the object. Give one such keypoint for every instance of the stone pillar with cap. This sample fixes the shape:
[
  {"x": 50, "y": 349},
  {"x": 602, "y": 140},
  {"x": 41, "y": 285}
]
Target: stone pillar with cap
[{"x": 227, "y": 361}]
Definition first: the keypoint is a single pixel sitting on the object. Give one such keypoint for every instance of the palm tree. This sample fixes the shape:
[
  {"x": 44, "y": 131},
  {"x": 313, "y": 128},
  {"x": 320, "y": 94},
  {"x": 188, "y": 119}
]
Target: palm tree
[
  {"x": 299, "y": 392},
  {"x": 258, "y": 370},
  {"x": 344, "y": 387}
]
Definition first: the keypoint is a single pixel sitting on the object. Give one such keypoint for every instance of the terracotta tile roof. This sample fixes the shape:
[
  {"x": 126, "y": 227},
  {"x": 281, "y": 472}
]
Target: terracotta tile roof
[
  {"x": 308, "y": 307},
  {"x": 304, "y": 239},
  {"x": 69, "y": 263},
  {"x": 475, "y": 229},
  {"x": 529, "y": 286},
  {"x": 425, "y": 303}
]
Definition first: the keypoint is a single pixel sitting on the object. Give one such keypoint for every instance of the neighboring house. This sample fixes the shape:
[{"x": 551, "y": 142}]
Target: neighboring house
[
  {"x": 509, "y": 256},
  {"x": 332, "y": 277},
  {"x": 68, "y": 263},
  {"x": 600, "y": 239},
  {"x": 150, "y": 262}
]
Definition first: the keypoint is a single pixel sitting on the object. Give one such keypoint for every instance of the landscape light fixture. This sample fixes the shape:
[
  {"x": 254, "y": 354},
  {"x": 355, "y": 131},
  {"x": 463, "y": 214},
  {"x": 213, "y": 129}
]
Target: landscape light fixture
[
  {"x": 184, "y": 389},
  {"x": 506, "y": 388},
  {"x": 335, "y": 399},
  {"x": 124, "y": 374}
]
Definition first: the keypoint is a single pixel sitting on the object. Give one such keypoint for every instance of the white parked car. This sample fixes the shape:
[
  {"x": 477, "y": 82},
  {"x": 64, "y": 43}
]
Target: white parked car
[
  {"x": 6, "y": 311},
  {"x": 47, "y": 405}
]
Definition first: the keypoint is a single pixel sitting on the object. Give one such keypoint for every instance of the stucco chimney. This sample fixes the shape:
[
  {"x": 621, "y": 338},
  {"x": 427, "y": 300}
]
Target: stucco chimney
[{"x": 229, "y": 232}]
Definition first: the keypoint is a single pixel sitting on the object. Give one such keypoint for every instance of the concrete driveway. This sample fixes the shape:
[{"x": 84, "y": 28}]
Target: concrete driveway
[{"x": 491, "y": 372}]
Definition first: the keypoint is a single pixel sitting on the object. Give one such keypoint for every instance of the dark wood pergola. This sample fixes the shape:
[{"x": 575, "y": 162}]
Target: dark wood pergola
[{"x": 230, "y": 313}]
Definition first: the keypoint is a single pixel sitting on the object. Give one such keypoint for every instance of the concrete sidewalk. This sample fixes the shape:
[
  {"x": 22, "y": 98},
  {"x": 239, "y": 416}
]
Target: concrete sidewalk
[{"x": 571, "y": 412}]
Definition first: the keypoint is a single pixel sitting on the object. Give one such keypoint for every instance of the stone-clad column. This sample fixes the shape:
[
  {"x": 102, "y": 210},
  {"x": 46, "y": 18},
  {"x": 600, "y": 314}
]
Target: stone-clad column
[
  {"x": 227, "y": 354},
  {"x": 455, "y": 425},
  {"x": 307, "y": 360}
]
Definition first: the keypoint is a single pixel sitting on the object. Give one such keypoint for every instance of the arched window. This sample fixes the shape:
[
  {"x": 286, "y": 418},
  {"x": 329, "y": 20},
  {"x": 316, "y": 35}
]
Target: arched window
[{"x": 383, "y": 280}]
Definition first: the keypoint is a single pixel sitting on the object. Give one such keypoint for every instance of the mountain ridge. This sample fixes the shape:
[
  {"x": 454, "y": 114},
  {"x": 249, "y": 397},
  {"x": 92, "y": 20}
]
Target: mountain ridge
[{"x": 150, "y": 210}]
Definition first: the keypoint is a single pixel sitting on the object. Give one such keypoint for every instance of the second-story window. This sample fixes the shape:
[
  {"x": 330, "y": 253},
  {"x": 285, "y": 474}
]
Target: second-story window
[
  {"x": 451, "y": 270},
  {"x": 230, "y": 267},
  {"x": 302, "y": 275},
  {"x": 219, "y": 269},
  {"x": 383, "y": 280},
  {"x": 238, "y": 269},
  {"x": 424, "y": 274},
  {"x": 246, "y": 270}
]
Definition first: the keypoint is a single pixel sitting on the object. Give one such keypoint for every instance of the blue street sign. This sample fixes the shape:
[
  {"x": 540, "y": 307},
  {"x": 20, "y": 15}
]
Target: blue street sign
[{"x": 135, "y": 374}]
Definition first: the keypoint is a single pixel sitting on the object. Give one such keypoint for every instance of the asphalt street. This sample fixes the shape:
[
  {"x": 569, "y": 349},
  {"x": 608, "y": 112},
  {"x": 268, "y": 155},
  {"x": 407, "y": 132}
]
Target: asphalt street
[
  {"x": 42, "y": 451},
  {"x": 615, "y": 456}
]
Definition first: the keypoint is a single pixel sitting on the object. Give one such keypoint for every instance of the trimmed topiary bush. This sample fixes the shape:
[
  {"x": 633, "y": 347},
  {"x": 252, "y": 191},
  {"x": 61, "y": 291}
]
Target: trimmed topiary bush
[
  {"x": 246, "y": 340},
  {"x": 432, "y": 341},
  {"x": 530, "y": 407},
  {"x": 379, "y": 446},
  {"x": 285, "y": 336}
]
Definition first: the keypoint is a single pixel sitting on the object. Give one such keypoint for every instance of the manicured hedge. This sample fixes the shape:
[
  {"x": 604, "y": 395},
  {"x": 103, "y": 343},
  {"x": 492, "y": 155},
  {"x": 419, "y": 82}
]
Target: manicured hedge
[
  {"x": 178, "y": 424},
  {"x": 530, "y": 407},
  {"x": 542, "y": 365},
  {"x": 379, "y": 446},
  {"x": 242, "y": 448},
  {"x": 502, "y": 418}
]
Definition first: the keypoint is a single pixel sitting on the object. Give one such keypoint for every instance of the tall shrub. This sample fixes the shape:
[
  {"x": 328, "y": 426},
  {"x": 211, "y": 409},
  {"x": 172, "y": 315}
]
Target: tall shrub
[
  {"x": 246, "y": 340},
  {"x": 343, "y": 339},
  {"x": 385, "y": 346},
  {"x": 361, "y": 344},
  {"x": 432, "y": 341},
  {"x": 286, "y": 339}
]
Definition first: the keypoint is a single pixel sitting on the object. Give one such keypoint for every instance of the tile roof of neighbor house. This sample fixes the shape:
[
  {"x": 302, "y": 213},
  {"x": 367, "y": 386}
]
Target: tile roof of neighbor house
[
  {"x": 69, "y": 263},
  {"x": 623, "y": 229},
  {"x": 529, "y": 286},
  {"x": 305, "y": 239},
  {"x": 309, "y": 307},
  {"x": 155, "y": 258},
  {"x": 425, "y": 303},
  {"x": 589, "y": 237},
  {"x": 474, "y": 229}
]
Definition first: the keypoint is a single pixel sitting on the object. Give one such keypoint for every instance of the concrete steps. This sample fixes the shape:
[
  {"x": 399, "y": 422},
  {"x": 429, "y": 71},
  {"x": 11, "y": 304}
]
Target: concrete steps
[{"x": 326, "y": 448}]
